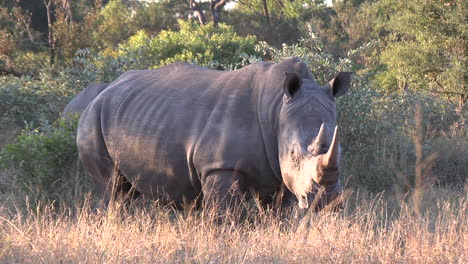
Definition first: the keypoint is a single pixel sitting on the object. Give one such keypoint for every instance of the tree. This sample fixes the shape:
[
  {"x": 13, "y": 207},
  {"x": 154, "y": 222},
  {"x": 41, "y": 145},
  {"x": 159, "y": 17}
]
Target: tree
[
  {"x": 273, "y": 21},
  {"x": 72, "y": 34},
  {"x": 153, "y": 17},
  {"x": 216, "y": 6},
  {"x": 423, "y": 45},
  {"x": 48, "y": 4},
  {"x": 114, "y": 24},
  {"x": 197, "y": 11}
]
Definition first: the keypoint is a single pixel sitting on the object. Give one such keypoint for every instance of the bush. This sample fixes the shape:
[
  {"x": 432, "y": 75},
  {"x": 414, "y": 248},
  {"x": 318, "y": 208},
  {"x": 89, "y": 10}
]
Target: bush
[
  {"x": 377, "y": 134},
  {"x": 113, "y": 25},
  {"x": 26, "y": 100},
  {"x": 202, "y": 45},
  {"x": 322, "y": 65},
  {"x": 35, "y": 101},
  {"x": 217, "y": 48},
  {"x": 44, "y": 161}
]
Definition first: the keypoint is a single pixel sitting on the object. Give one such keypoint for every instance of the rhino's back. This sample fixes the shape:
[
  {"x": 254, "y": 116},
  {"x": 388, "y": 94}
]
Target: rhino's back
[{"x": 170, "y": 127}]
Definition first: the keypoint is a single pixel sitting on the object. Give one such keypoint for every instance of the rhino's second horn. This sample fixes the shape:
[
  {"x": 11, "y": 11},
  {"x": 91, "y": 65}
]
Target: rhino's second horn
[{"x": 331, "y": 159}]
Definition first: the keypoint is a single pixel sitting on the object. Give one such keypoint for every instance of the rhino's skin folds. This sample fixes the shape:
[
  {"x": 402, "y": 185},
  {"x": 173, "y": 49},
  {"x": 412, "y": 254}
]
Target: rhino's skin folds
[{"x": 182, "y": 132}]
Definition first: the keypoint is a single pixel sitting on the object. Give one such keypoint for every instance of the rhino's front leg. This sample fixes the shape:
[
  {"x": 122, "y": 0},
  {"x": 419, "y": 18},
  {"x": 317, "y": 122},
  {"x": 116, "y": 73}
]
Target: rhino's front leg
[{"x": 223, "y": 189}]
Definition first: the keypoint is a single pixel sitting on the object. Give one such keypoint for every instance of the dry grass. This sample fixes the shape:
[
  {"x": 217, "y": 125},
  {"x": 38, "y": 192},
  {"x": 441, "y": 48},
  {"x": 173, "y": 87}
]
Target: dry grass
[{"x": 383, "y": 229}]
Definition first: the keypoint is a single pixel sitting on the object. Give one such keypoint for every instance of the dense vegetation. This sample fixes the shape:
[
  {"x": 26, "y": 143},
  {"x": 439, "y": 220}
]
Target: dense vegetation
[{"x": 404, "y": 128}]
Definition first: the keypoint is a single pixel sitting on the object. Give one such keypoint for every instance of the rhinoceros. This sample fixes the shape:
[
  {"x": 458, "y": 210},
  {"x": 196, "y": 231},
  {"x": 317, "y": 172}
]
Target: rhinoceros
[
  {"x": 81, "y": 101},
  {"x": 183, "y": 133}
]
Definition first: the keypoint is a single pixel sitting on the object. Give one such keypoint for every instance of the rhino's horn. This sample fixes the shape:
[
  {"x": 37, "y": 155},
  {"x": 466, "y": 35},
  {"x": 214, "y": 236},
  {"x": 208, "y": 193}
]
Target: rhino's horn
[
  {"x": 322, "y": 137},
  {"x": 331, "y": 158}
]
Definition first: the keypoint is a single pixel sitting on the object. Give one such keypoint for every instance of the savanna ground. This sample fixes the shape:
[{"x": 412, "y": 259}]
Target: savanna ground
[
  {"x": 403, "y": 123},
  {"x": 372, "y": 229}
]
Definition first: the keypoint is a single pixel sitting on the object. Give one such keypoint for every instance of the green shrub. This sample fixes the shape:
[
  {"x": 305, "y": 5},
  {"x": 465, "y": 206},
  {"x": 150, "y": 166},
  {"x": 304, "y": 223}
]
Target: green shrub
[
  {"x": 28, "y": 100},
  {"x": 202, "y": 45},
  {"x": 113, "y": 25},
  {"x": 377, "y": 139},
  {"x": 44, "y": 161},
  {"x": 35, "y": 101},
  {"x": 216, "y": 48},
  {"x": 310, "y": 50}
]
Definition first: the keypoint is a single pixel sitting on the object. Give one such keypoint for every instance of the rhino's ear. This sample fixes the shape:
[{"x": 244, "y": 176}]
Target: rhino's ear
[
  {"x": 292, "y": 83},
  {"x": 340, "y": 84}
]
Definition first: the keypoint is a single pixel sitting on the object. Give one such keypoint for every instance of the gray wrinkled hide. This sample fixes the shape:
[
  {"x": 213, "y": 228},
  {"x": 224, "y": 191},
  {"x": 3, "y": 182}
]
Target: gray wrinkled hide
[
  {"x": 168, "y": 130},
  {"x": 81, "y": 101}
]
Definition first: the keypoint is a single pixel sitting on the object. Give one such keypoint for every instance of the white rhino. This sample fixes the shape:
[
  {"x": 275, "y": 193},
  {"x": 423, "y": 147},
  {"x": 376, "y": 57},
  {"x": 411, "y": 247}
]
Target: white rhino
[{"x": 184, "y": 133}]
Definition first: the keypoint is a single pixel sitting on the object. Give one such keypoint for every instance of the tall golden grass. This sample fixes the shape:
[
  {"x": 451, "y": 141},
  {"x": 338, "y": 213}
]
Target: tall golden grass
[{"x": 380, "y": 229}]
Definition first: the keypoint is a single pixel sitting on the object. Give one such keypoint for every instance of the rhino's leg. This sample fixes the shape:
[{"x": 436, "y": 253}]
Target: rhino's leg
[
  {"x": 100, "y": 187},
  {"x": 282, "y": 203},
  {"x": 108, "y": 182},
  {"x": 223, "y": 189},
  {"x": 100, "y": 169}
]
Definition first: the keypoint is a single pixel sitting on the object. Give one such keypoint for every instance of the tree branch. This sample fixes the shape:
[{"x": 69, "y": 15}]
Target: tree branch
[
  {"x": 48, "y": 4},
  {"x": 267, "y": 15},
  {"x": 25, "y": 20},
  {"x": 280, "y": 3},
  {"x": 220, "y": 4},
  {"x": 197, "y": 11},
  {"x": 450, "y": 93},
  {"x": 67, "y": 11},
  {"x": 10, "y": 72},
  {"x": 215, "y": 8}
]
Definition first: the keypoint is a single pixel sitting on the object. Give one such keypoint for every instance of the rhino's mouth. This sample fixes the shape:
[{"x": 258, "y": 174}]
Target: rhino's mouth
[{"x": 321, "y": 197}]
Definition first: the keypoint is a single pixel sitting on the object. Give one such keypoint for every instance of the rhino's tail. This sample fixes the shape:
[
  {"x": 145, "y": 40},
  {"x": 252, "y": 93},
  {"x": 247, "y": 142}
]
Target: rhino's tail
[{"x": 78, "y": 104}]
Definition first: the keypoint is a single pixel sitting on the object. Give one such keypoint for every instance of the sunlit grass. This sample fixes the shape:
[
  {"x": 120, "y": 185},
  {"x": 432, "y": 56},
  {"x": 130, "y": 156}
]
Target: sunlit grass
[{"x": 380, "y": 229}]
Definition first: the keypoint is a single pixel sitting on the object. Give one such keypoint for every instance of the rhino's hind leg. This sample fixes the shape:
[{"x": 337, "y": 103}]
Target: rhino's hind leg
[
  {"x": 112, "y": 186},
  {"x": 223, "y": 190},
  {"x": 119, "y": 188},
  {"x": 108, "y": 182}
]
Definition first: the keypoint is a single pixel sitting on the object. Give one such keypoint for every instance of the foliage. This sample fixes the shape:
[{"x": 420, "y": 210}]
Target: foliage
[
  {"x": 224, "y": 49},
  {"x": 44, "y": 159},
  {"x": 288, "y": 21},
  {"x": 422, "y": 45},
  {"x": 249, "y": 18},
  {"x": 152, "y": 17},
  {"x": 114, "y": 24},
  {"x": 16, "y": 38},
  {"x": 26, "y": 100},
  {"x": 203, "y": 45},
  {"x": 322, "y": 65},
  {"x": 71, "y": 36},
  {"x": 379, "y": 149}
]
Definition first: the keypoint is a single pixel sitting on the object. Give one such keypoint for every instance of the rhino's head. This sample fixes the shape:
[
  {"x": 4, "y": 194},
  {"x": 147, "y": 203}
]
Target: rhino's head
[{"x": 309, "y": 151}]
